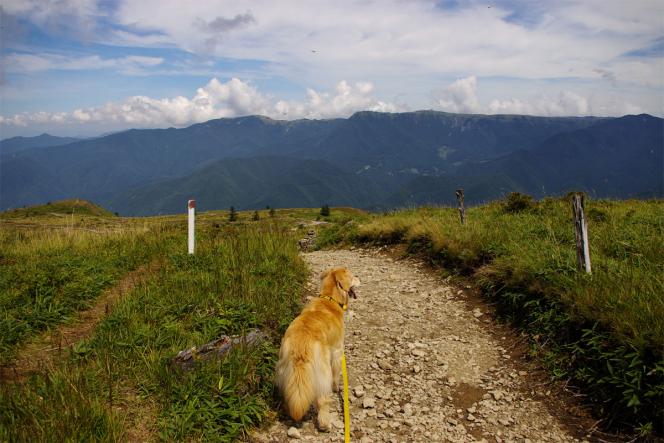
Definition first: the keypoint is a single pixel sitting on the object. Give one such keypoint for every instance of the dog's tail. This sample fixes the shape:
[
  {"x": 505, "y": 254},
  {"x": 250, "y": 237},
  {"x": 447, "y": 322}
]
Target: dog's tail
[{"x": 296, "y": 377}]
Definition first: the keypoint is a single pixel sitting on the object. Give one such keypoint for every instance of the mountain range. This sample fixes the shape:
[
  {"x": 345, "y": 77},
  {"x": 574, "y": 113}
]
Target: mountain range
[{"x": 370, "y": 160}]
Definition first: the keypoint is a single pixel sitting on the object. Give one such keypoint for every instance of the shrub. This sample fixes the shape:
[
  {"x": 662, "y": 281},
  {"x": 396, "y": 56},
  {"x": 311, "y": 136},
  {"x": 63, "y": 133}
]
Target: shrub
[
  {"x": 325, "y": 210},
  {"x": 518, "y": 202},
  {"x": 232, "y": 215}
]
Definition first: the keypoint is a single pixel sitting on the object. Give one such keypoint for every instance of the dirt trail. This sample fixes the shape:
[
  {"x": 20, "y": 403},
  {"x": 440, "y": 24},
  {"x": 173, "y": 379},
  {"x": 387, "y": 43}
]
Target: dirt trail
[
  {"x": 41, "y": 352},
  {"x": 425, "y": 366}
]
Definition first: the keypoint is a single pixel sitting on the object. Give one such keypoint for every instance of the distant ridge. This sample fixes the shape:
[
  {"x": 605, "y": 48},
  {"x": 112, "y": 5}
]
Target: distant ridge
[
  {"x": 370, "y": 160},
  {"x": 16, "y": 144}
]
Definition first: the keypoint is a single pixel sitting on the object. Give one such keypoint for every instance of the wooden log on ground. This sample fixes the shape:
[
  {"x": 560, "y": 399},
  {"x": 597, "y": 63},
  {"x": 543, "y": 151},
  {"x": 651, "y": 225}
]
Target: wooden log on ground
[{"x": 188, "y": 358}]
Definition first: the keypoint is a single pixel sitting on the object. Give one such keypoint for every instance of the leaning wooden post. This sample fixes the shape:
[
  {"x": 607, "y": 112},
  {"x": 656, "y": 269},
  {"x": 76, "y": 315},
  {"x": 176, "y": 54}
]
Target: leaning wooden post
[
  {"x": 192, "y": 215},
  {"x": 462, "y": 210},
  {"x": 581, "y": 233}
]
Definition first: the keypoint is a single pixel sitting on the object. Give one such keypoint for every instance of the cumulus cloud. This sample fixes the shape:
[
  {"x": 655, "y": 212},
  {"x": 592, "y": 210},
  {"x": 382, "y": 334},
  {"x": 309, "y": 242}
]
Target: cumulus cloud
[
  {"x": 346, "y": 100},
  {"x": 565, "y": 104},
  {"x": 214, "y": 100},
  {"x": 460, "y": 96}
]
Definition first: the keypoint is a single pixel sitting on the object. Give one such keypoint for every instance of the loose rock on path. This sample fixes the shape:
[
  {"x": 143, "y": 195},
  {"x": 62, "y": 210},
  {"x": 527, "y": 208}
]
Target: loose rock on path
[{"x": 422, "y": 365}]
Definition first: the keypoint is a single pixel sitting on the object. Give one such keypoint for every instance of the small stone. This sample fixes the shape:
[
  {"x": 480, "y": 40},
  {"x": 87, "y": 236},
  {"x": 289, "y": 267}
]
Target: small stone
[
  {"x": 477, "y": 313},
  {"x": 523, "y": 373},
  {"x": 418, "y": 352},
  {"x": 416, "y": 369},
  {"x": 470, "y": 417},
  {"x": 369, "y": 403},
  {"x": 338, "y": 424},
  {"x": 452, "y": 421},
  {"x": 384, "y": 365},
  {"x": 389, "y": 413},
  {"x": 504, "y": 421},
  {"x": 293, "y": 432},
  {"x": 497, "y": 395},
  {"x": 358, "y": 391}
]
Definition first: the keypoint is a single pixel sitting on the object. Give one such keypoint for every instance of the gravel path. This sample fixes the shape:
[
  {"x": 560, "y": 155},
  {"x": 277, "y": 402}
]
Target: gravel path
[{"x": 423, "y": 365}]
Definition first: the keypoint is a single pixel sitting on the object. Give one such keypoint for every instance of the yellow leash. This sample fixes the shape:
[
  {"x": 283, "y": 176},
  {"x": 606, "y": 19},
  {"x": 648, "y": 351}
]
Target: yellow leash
[{"x": 344, "y": 372}]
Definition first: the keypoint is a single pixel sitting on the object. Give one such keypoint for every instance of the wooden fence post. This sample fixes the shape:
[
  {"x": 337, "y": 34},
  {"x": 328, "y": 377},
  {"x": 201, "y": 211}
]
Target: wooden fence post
[
  {"x": 581, "y": 234},
  {"x": 191, "y": 204},
  {"x": 462, "y": 210}
]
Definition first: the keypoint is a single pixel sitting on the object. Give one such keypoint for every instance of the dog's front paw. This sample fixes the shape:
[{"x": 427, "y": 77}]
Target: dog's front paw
[{"x": 324, "y": 419}]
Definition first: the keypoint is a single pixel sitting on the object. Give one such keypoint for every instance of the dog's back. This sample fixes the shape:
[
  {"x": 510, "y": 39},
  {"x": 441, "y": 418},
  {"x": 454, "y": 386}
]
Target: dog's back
[
  {"x": 311, "y": 351},
  {"x": 304, "y": 371}
]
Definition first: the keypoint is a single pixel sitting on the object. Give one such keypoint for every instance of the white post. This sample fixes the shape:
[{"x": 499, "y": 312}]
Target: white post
[{"x": 192, "y": 214}]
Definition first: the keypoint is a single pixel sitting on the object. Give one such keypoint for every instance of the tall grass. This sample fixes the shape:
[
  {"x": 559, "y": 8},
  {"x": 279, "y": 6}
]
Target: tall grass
[
  {"x": 122, "y": 382},
  {"x": 49, "y": 274},
  {"x": 606, "y": 330}
]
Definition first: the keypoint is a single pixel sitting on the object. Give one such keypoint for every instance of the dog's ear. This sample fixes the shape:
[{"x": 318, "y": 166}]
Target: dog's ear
[{"x": 342, "y": 278}]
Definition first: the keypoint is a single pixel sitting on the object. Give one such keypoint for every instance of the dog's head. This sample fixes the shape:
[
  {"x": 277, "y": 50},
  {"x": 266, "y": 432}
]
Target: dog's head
[{"x": 341, "y": 282}]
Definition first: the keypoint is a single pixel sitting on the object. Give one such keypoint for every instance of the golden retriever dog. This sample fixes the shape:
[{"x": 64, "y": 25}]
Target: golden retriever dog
[{"x": 310, "y": 355}]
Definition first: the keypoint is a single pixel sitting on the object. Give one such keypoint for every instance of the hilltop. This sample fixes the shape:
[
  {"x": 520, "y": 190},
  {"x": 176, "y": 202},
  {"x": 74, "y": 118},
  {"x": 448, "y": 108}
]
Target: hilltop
[{"x": 58, "y": 209}]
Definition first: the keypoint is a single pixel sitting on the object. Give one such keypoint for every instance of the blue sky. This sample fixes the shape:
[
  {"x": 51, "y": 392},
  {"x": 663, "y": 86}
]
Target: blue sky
[{"x": 86, "y": 67}]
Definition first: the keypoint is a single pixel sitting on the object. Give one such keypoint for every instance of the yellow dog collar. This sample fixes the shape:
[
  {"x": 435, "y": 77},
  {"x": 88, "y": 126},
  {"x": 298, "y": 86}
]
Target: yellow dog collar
[{"x": 341, "y": 305}]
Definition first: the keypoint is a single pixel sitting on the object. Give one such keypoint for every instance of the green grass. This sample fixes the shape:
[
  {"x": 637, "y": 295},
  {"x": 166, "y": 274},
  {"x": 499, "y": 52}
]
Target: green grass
[
  {"x": 604, "y": 330},
  {"x": 59, "y": 209},
  {"x": 49, "y": 274},
  {"x": 243, "y": 275}
]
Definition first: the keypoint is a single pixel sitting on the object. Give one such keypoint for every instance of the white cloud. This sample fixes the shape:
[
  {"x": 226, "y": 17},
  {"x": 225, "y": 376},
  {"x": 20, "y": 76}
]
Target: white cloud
[
  {"x": 214, "y": 100},
  {"x": 565, "y": 104},
  {"x": 346, "y": 100},
  {"x": 70, "y": 17},
  {"x": 460, "y": 96},
  {"x": 237, "y": 98},
  {"x": 25, "y": 63},
  {"x": 394, "y": 38}
]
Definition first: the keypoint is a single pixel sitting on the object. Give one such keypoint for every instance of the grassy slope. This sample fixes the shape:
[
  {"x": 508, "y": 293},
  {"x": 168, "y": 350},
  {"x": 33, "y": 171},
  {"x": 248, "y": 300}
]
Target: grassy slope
[
  {"x": 50, "y": 271},
  {"x": 58, "y": 208},
  {"x": 606, "y": 330},
  {"x": 118, "y": 384}
]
